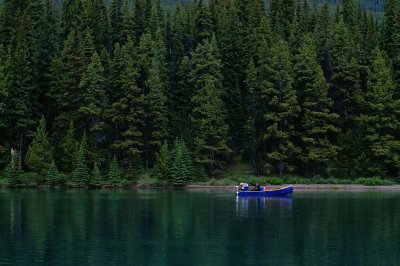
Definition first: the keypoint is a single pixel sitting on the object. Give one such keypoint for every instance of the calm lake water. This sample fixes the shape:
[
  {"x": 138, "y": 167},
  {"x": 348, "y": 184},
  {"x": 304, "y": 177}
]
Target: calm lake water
[{"x": 134, "y": 227}]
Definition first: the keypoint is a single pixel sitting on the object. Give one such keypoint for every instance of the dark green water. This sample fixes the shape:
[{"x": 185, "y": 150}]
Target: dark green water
[{"x": 126, "y": 227}]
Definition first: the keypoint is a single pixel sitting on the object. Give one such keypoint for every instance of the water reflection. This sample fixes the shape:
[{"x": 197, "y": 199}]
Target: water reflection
[
  {"x": 131, "y": 227},
  {"x": 261, "y": 204}
]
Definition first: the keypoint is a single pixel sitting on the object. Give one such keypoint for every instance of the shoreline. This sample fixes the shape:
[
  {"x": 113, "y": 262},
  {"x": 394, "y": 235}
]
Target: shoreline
[
  {"x": 309, "y": 187},
  {"x": 296, "y": 187}
]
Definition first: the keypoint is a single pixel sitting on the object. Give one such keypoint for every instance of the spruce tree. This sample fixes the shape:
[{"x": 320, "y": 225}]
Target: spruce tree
[
  {"x": 157, "y": 97},
  {"x": 202, "y": 23},
  {"x": 162, "y": 167},
  {"x": 53, "y": 175},
  {"x": 210, "y": 131},
  {"x": 116, "y": 22},
  {"x": 281, "y": 109},
  {"x": 71, "y": 16},
  {"x": 23, "y": 101},
  {"x": 255, "y": 125},
  {"x": 182, "y": 170},
  {"x": 317, "y": 120},
  {"x": 128, "y": 27},
  {"x": 95, "y": 103},
  {"x": 130, "y": 110},
  {"x": 5, "y": 82},
  {"x": 391, "y": 28},
  {"x": 13, "y": 173},
  {"x": 345, "y": 79},
  {"x": 96, "y": 175},
  {"x": 379, "y": 119},
  {"x": 67, "y": 72},
  {"x": 231, "y": 40},
  {"x": 81, "y": 172},
  {"x": 40, "y": 152},
  {"x": 68, "y": 149},
  {"x": 114, "y": 173}
]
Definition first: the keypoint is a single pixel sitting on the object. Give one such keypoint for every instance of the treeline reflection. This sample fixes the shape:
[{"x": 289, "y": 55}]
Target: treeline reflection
[{"x": 200, "y": 228}]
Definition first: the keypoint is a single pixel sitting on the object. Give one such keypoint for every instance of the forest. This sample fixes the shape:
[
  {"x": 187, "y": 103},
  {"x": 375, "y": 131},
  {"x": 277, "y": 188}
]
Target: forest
[{"x": 93, "y": 92}]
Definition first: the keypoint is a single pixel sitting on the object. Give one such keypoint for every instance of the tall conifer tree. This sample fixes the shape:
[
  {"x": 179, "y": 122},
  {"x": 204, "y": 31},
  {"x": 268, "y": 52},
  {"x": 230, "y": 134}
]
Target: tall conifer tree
[
  {"x": 208, "y": 116},
  {"x": 40, "y": 152},
  {"x": 379, "y": 119},
  {"x": 317, "y": 120},
  {"x": 281, "y": 109}
]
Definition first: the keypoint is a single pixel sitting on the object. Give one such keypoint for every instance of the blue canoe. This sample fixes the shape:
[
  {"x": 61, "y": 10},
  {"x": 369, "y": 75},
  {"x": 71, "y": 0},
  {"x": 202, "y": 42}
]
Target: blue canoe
[{"x": 266, "y": 192}]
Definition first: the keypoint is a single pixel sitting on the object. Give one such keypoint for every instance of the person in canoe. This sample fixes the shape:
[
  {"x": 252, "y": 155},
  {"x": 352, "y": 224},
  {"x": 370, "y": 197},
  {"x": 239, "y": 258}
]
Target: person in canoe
[
  {"x": 243, "y": 187},
  {"x": 257, "y": 187}
]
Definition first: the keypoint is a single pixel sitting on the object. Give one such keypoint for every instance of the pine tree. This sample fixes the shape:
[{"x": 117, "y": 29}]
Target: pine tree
[
  {"x": 281, "y": 13},
  {"x": 180, "y": 99},
  {"x": 162, "y": 167},
  {"x": 345, "y": 88},
  {"x": 210, "y": 131},
  {"x": 379, "y": 119},
  {"x": 40, "y": 152},
  {"x": 130, "y": 110},
  {"x": 53, "y": 175},
  {"x": 281, "y": 109},
  {"x": 157, "y": 98},
  {"x": 81, "y": 172},
  {"x": 95, "y": 103},
  {"x": 88, "y": 47},
  {"x": 157, "y": 17},
  {"x": 391, "y": 28},
  {"x": 67, "y": 72},
  {"x": 317, "y": 121},
  {"x": 114, "y": 173},
  {"x": 231, "y": 40},
  {"x": 182, "y": 170},
  {"x": 71, "y": 17},
  {"x": 128, "y": 27},
  {"x": 140, "y": 18},
  {"x": 116, "y": 22},
  {"x": 202, "y": 23},
  {"x": 255, "y": 125},
  {"x": 23, "y": 102},
  {"x": 68, "y": 149},
  {"x": 96, "y": 176},
  {"x": 95, "y": 20},
  {"x": 5, "y": 82},
  {"x": 13, "y": 173}
]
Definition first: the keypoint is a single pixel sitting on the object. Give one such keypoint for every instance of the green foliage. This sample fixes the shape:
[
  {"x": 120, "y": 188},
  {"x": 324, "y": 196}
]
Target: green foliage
[
  {"x": 68, "y": 149},
  {"x": 128, "y": 109},
  {"x": 162, "y": 167},
  {"x": 95, "y": 104},
  {"x": 379, "y": 120},
  {"x": 182, "y": 170},
  {"x": 96, "y": 175},
  {"x": 40, "y": 152},
  {"x": 281, "y": 109},
  {"x": 114, "y": 173},
  {"x": 291, "y": 88},
  {"x": 157, "y": 97},
  {"x": 318, "y": 122},
  {"x": 12, "y": 173},
  {"x": 209, "y": 114},
  {"x": 373, "y": 181},
  {"x": 81, "y": 172},
  {"x": 54, "y": 177}
]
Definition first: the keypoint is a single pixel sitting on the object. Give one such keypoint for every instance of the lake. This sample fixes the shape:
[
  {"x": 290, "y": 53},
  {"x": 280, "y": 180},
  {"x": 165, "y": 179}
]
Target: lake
[{"x": 151, "y": 227}]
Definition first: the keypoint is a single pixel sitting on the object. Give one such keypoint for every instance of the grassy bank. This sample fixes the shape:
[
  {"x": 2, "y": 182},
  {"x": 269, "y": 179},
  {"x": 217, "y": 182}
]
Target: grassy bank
[
  {"x": 230, "y": 177},
  {"x": 231, "y": 180}
]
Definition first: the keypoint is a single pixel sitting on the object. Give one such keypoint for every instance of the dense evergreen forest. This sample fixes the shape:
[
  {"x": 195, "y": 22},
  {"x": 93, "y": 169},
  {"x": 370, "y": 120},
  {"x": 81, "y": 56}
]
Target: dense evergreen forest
[{"x": 103, "y": 92}]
